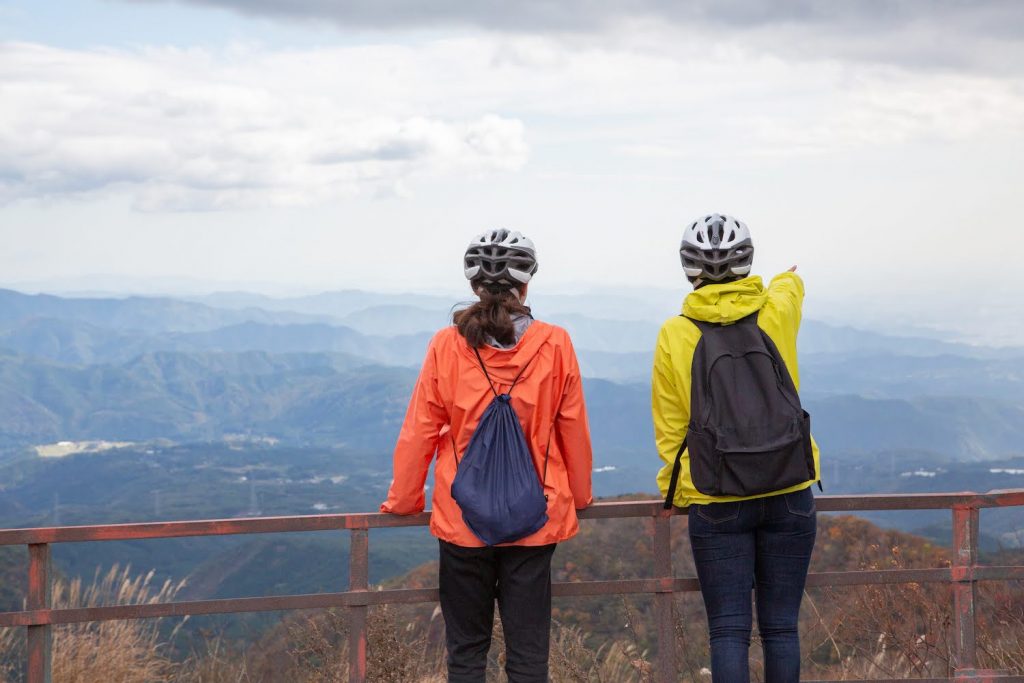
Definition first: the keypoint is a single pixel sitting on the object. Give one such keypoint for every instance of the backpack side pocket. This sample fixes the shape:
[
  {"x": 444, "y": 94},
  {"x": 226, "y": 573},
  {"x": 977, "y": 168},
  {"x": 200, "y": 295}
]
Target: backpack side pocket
[{"x": 705, "y": 461}]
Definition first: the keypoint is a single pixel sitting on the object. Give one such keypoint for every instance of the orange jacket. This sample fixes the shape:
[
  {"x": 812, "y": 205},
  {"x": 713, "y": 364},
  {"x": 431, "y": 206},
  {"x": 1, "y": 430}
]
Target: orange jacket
[{"x": 451, "y": 395}]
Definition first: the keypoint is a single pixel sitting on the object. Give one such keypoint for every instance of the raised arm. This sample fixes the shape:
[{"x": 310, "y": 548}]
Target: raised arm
[
  {"x": 786, "y": 291},
  {"x": 784, "y": 312}
]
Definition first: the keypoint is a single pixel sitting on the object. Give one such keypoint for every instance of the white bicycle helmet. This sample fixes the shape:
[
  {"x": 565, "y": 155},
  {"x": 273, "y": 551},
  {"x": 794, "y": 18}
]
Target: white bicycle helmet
[
  {"x": 716, "y": 248},
  {"x": 500, "y": 257}
]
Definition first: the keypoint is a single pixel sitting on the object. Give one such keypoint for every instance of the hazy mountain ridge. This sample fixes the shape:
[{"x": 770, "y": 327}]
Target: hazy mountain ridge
[
  {"x": 322, "y": 397},
  {"x": 94, "y": 374},
  {"x": 190, "y": 396},
  {"x": 323, "y": 384},
  {"x": 394, "y": 329},
  {"x": 81, "y": 343},
  {"x": 136, "y": 313}
]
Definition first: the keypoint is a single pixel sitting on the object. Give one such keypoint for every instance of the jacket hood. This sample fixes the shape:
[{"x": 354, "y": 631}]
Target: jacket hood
[
  {"x": 505, "y": 364},
  {"x": 727, "y": 302}
]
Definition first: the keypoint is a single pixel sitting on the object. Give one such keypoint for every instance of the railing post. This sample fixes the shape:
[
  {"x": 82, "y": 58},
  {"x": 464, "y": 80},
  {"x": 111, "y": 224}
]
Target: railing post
[
  {"x": 40, "y": 594},
  {"x": 358, "y": 580},
  {"x": 965, "y": 558},
  {"x": 664, "y": 600}
]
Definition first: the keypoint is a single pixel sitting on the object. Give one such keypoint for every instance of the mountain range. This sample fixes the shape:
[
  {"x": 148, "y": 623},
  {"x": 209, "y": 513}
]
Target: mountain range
[
  {"x": 238, "y": 403},
  {"x": 322, "y": 369}
]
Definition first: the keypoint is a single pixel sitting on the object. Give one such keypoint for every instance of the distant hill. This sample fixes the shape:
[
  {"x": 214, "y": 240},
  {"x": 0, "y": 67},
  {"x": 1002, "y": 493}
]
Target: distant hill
[
  {"x": 332, "y": 397},
  {"x": 622, "y": 549},
  {"x": 200, "y": 384},
  {"x": 279, "y": 564},
  {"x": 621, "y": 304},
  {"x": 135, "y": 313},
  {"x": 198, "y": 396},
  {"x": 336, "y": 304},
  {"x": 13, "y": 577},
  {"x": 393, "y": 329},
  {"x": 900, "y": 376},
  {"x": 875, "y": 374},
  {"x": 80, "y": 343},
  {"x": 962, "y": 428},
  {"x": 843, "y": 340},
  {"x": 623, "y": 368},
  {"x": 398, "y": 320}
]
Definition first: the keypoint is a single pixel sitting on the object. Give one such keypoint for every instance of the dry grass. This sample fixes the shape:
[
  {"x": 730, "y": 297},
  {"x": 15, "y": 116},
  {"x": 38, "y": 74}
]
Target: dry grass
[
  {"x": 871, "y": 632},
  {"x": 219, "y": 662},
  {"x": 402, "y": 649},
  {"x": 113, "y": 651},
  {"x": 847, "y": 633},
  {"x": 129, "y": 651},
  {"x": 614, "y": 662},
  {"x": 1001, "y": 626},
  {"x": 12, "y": 642},
  {"x": 398, "y": 650}
]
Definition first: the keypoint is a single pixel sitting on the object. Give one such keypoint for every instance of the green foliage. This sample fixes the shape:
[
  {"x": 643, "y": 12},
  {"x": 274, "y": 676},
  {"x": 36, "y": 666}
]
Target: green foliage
[{"x": 200, "y": 396}]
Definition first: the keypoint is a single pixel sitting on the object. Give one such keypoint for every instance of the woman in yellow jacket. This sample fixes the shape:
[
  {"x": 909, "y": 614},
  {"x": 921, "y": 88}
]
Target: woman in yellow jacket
[
  {"x": 493, "y": 345},
  {"x": 738, "y": 541}
]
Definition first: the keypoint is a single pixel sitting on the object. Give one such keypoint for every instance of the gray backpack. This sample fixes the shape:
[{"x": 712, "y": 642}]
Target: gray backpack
[{"x": 748, "y": 433}]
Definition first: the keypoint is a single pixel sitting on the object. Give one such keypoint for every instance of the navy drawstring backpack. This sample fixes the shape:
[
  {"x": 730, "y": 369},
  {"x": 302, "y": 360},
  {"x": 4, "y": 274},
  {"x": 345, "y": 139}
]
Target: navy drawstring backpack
[{"x": 496, "y": 484}]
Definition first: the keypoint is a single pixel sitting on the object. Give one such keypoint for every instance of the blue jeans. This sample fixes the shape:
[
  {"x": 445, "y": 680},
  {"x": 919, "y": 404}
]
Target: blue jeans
[{"x": 765, "y": 543}]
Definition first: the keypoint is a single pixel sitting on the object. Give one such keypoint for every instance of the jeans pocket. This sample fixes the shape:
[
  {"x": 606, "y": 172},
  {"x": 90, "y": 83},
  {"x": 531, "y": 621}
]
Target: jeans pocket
[
  {"x": 800, "y": 503},
  {"x": 717, "y": 513}
]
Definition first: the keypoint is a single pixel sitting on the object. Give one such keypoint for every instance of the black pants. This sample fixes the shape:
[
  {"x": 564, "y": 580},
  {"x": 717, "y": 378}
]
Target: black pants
[{"x": 519, "y": 577}]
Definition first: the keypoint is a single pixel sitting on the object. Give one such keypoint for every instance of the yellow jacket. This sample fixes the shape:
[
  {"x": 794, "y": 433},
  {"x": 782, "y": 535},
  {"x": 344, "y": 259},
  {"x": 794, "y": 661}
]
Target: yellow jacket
[{"x": 780, "y": 310}]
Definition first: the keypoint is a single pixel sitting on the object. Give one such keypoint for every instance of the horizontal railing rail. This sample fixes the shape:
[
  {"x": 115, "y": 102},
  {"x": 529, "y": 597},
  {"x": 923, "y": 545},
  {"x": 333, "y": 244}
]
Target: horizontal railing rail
[{"x": 39, "y": 615}]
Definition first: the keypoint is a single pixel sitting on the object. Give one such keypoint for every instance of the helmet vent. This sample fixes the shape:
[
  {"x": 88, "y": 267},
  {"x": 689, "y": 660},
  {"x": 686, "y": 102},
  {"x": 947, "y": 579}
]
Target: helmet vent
[
  {"x": 501, "y": 257},
  {"x": 715, "y": 247}
]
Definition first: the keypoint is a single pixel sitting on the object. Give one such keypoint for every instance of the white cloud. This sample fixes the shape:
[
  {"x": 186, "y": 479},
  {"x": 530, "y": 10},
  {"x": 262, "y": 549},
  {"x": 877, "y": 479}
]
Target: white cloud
[
  {"x": 886, "y": 108},
  {"x": 870, "y": 172},
  {"x": 249, "y": 127},
  {"x": 923, "y": 34},
  {"x": 186, "y": 129}
]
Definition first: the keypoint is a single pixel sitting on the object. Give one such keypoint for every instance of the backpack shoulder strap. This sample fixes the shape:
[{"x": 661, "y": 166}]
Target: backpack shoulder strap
[
  {"x": 702, "y": 325},
  {"x": 770, "y": 343},
  {"x": 677, "y": 467},
  {"x": 484, "y": 368},
  {"x": 521, "y": 371},
  {"x": 490, "y": 382}
]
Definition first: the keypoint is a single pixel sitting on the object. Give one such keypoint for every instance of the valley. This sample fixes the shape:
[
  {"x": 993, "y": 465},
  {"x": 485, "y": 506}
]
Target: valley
[{"x": 139, "y": 409}]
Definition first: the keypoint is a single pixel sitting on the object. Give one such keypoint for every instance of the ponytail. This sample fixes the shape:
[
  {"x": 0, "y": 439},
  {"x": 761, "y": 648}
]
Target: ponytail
[{"x": 491, "y": 316}]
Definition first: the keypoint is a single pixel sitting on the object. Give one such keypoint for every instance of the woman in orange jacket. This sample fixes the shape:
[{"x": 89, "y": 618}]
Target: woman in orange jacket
[{"x": 494, "y": 344}]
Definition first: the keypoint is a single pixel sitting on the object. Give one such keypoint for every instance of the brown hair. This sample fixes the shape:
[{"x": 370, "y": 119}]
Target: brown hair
[{"x": 491, "y": 316}]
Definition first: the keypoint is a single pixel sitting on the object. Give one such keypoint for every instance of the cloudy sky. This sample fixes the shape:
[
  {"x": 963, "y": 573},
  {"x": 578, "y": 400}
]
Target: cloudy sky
[{"x": 297, "y": 145}]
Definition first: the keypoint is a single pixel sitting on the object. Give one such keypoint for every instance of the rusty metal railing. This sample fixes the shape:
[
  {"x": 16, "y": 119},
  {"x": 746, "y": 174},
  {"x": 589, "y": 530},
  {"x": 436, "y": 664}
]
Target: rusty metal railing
[{"x": 39, "y": 616}]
